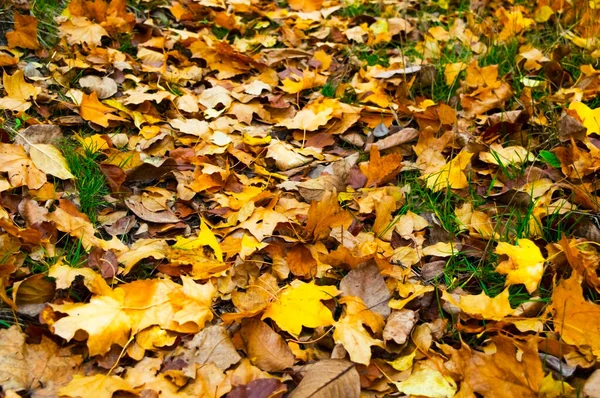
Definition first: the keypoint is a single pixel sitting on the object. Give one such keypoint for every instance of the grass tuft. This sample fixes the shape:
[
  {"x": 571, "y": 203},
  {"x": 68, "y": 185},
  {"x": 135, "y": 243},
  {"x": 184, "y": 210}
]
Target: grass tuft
[{"x": 90, "y": 182}]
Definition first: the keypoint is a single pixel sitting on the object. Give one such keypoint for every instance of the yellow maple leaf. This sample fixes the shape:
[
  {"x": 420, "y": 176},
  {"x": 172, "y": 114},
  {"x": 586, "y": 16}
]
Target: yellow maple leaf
[
  {"x": 18, "y": 91},
  {"x": 205, "y": 238},
  {"x": 84, "y": 230},
  {"x": 427, "y": 382},
  {"x": 350, "y": 332},
  {"x": 141, "y": 249},
  {"x": 513, "y": 23},
  {"x": 306, "y": 5},
  {"x": 192, "y": 305},
  {"x": 65, "y": 275},
  {"x": 80, "y": 30},
  {"x": 307, "y": 119},
  {"x": 576, "y": 319},
  {"x": 102, "y": 386},
  {"x": 25, "y": 33},
  {"x": 21, "y": 170},
  {"x": 103, "y": 319},
  {"x": 525, "y": 264},
  {"x": 452, "y": 70},
  {"x": 452, "y": 175},
  {"x": 589, "y": 117},
  {"x": 300, "y": 305},
  {"x": 482, "y": 305},
  {"x": 95, "y": 111}
]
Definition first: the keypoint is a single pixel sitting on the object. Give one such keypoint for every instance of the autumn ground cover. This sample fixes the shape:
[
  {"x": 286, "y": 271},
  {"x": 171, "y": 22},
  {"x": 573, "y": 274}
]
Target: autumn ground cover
[{"x": 305, "y": 198}]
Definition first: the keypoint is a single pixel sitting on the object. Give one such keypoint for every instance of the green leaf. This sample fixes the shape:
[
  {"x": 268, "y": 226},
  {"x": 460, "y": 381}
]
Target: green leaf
[{"x": 550, "y": 158}]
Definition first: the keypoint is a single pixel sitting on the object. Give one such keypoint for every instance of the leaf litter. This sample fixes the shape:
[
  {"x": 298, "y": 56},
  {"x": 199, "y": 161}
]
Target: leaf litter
[{"x": 312, "y": 198}]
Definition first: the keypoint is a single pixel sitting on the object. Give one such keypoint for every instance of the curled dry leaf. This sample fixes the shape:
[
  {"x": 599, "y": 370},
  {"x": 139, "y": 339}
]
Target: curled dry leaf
[
  {"x": 104, "y": 87},
  {"x": 134, "y": 203},
  {"x": 399, "y": 325}
]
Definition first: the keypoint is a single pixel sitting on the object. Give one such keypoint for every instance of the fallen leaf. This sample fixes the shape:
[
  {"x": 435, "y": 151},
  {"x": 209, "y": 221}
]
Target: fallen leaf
[
  {"x": 325, "y": 215},
  {"x": 25, "y": 33},
  {"x": 43, "y": 367},
  {"x": 80, "y": 30},
  {"x": 427, "y": 382},
  {"x": 574, "y": 316},
  {"x": 104, "y": 87},
  {"x": 95, "y": 111},
  {"x": 482, "y": 305},
  {"x": 265, "y": 348},
  {"x": 380, "y": 169},
  {"x": 103, "y": 319},
  {"x": 301, "y": 261},
  {"x": 350, "y": 332},
  {"x": 367, "y": 283},
  {"x": 399, "y": 325},
  {"x": 329, "y": 378},
  {"x": 21, "y": 170},
  {"x": 212, "y": 344},
  {"x": 300, "y": 305},
  {"x": 18, "y": 91},
  {"x": 306, "y": 5},
  {"x": 50, "y": 160},
  {"x": 512, "y": 368},
  {"x": 525, "y": 264},
  {"x": 102, "y": 385}
]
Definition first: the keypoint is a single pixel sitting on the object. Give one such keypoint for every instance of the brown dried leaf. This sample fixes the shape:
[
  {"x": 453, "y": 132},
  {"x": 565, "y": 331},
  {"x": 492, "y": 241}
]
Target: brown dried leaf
[
  {"x": 380, "y": 169},
  {"x": 329, "y": 378},
  {"x": 265, "y": 348}
]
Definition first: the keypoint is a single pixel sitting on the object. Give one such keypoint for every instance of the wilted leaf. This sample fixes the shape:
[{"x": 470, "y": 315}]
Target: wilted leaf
[
  {"x": 482, "y": 305},
  {"x": 325, "y": 215},
  {"x": 367, "y": 283},
  {"x": 103, "y": 319},
  {"x": 350, "y": 332},
  {"x": 212, "y": 344}
]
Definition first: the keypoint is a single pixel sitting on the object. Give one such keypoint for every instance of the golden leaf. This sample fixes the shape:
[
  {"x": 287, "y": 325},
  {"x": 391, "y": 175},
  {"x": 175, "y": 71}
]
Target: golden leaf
[
  {"x": 525, "y": 264},
  {"x": 300, "y": 305}
]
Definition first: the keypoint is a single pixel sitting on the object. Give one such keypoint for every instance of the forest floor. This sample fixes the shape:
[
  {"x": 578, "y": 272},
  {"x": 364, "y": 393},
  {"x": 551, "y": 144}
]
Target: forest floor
[{"x": 311, "y": 198}]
